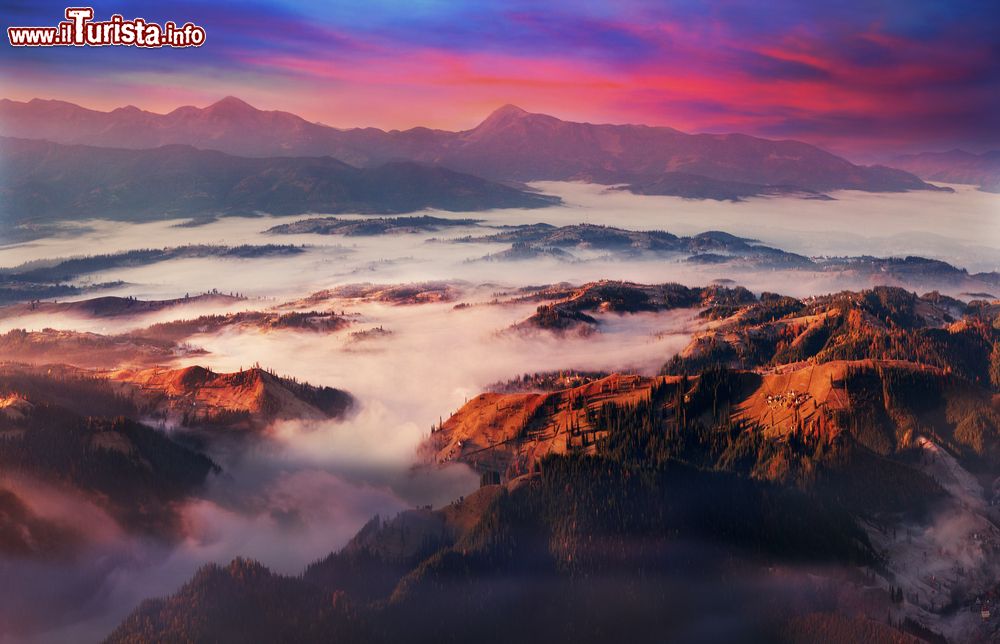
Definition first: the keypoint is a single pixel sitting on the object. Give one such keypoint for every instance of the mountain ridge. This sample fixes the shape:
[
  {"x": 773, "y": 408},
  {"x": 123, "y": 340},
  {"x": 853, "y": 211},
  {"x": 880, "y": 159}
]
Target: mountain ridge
[
  {"x": 42, "y": 180},
  {"x": 511, "y": 144},
  {"x": 955, "y": 166}
]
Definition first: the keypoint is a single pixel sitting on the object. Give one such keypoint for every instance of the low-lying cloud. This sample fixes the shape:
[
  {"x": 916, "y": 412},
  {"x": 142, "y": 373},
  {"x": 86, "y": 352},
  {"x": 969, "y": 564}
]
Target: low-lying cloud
[{"x": 305, "y": 490}]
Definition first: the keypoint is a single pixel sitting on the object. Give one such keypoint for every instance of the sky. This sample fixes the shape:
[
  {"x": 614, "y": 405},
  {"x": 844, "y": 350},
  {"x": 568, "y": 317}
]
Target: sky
[{"x": 861, "y": 78}]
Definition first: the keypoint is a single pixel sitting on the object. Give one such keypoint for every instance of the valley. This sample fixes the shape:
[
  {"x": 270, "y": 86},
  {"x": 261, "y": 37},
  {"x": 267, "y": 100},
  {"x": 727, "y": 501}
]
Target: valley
[{"x": 291, "y": 382}]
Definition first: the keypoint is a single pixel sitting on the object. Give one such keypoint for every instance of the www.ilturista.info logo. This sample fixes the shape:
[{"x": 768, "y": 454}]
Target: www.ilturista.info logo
[{"x": 79, "y": 30}]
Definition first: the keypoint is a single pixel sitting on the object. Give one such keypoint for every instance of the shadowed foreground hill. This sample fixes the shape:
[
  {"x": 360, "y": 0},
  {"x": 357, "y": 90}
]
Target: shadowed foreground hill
[
  {"x": 243, "y": 602},
  {"x": 587, "y": 549},
  {"x": 49, "y": 181},
  {"x": 73, "y": 433},
  {"x": 513, "y": 570}
]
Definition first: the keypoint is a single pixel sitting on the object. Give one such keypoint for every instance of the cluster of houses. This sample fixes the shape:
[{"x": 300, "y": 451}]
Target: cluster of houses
[{"x": 790, "y": 400}]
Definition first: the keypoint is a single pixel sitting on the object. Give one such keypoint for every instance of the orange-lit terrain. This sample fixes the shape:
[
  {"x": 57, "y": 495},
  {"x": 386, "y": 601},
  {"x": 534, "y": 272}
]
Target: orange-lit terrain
[{"x": 498, "y": 321}]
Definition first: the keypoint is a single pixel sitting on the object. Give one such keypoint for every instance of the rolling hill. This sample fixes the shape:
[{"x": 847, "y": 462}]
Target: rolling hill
[
  {"x": 244, "y": 400},
  {"x": 43, "y": 181},
  {"x": 63, "y": 429}
]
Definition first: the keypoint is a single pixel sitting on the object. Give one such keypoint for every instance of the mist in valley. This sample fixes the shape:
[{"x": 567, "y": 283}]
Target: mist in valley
[
  {"x": 853, "y": 223},
  {"x": 308, "y": 486}
]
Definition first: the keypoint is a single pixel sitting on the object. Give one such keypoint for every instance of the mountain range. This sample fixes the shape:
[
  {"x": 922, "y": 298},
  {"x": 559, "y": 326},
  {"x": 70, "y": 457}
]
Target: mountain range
[{"x": 511, "y": 144}]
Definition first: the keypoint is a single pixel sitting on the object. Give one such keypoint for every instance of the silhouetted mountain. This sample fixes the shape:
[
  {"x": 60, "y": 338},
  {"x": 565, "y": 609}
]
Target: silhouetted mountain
[
  {"x": 955, "y": 166},
  {"x": 243, "y": 602},
  {"x": 510, "y": 144},
  {"x": 506, "y": 564},
  {"x": 41, "y": 180}
]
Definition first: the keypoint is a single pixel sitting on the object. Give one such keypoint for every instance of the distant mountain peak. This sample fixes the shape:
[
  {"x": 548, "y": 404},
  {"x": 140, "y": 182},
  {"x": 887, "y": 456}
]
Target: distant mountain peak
[
  {"x": 230, "y": 105},
  {"x": 504, "y": 115},
  {"x": 509, "y": 110},
  {"x": 511, "y": 120}
]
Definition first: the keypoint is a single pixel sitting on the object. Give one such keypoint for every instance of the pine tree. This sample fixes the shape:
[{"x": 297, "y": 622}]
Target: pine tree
[{"x": 995, "y": 365}]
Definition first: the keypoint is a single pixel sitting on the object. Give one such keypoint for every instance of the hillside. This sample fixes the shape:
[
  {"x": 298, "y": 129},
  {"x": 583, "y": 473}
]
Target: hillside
[
  {"x": 90, "y": 350},
  {"x": 881, "y": 403},
  {"x": 849, "y": 405},
  {"x": 243, "y": 602},
  {"x": 883, "y": 323},
  {"x": 792, "y": 483},
  {"x": 246, "y": 400},
  {"x": 158, "y": 344},
  {"x": 176, "y": 330},
  {"x": 511, "y": 567},
  {"x": 43, "y": 181},
  {"x": 193, "y": 398},
  {"x": 396, "y": 294},
  {"x": 883, "y": 366},
  {"x": 74, "y": 433},
  {"x": 955, "y": 166},
  {"x": 566, "y": 308}
]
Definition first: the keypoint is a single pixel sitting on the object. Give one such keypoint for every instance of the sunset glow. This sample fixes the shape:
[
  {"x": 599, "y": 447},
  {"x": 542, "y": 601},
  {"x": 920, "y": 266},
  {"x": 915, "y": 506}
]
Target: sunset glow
[{"x": 854, "y": 77}]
